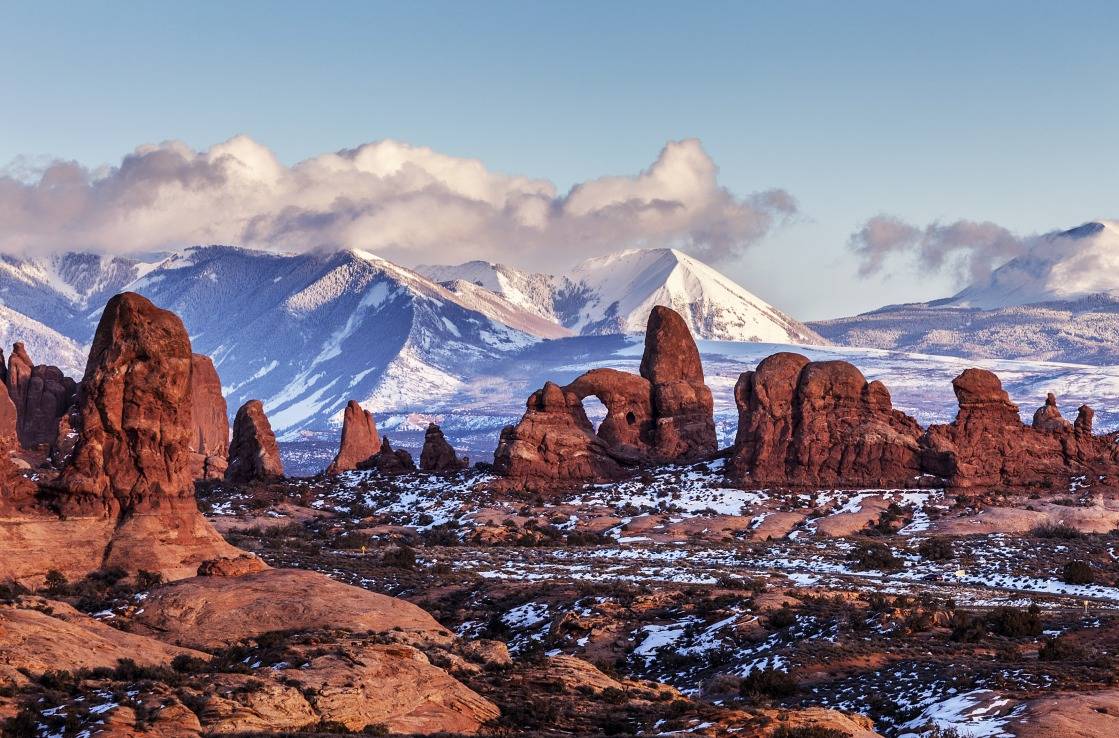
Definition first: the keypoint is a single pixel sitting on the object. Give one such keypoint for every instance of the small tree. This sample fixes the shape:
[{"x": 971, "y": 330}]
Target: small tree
[{"x": 56, "y": 581}]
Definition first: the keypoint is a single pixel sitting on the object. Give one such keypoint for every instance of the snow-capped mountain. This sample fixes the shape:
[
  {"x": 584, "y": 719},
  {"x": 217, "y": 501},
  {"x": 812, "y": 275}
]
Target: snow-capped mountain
[
  {"x": 614, "y": 294},
  {"x": 1057, "y": 302}
]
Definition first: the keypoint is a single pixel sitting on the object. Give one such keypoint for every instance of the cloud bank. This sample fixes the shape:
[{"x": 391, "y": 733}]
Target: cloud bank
[
  {"x": 967, "y": 250},
  {"x": 406, "y": 203}
]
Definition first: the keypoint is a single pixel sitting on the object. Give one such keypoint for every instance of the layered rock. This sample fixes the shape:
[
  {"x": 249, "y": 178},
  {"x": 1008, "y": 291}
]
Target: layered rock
[
  {"x": 663, "y": 415},
  {"x": 126, "y": 497},
  {"x": 359, "y": 439},
  {"x": 254, "y": 454},
  {"x": 438, "y": 455},
  {"x": 41, "y": 395},
  {"x": 807, "y": 423},
  {"x": 988, "y": 445},
  {"x": 209, "y": 443},
  {"x": 389, "y": 460}
]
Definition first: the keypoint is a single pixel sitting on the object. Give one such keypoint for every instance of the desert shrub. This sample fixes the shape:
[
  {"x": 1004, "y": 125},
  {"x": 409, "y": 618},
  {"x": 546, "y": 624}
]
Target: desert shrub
[
  {"x": 1015, "y": 622},
  {"x": 876, "y": 556},
  {"x": 1055, "y": 530},
  {"x": 56, "y": 581},
  {"x": 936, "y": 549},
  {"x": 1078, "y": 572},
  {"x": 402, "y": 557},
  {"x": 148, "y": 579},
  {"x": 768, "y": 682},
  {"x": 809, "y": 731},
  {"x": 968, "y": 628},
  {"x": 1059, "y": 649},
  {"x": 782, "y": 618}
]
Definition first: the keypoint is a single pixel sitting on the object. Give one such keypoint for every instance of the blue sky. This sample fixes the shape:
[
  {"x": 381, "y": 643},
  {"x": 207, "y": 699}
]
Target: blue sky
[{"x": 928, "y": 111}]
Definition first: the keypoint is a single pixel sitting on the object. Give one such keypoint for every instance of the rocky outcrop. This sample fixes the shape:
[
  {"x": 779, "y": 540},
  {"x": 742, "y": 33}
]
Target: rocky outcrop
[
  {"x": 389, "y": 461},
  {"x": 665, "y": 414},
  {"x": 209, "y": 443},
  {"x": 231, "y": 567},
  {"x": 253, "y": 455},
  {"x": 359, "y": 439},
  {"x": 438, "y": 455},
  {"x": 988, "y": 445},
  {"x": 126, "y": 497},
  {"x": 41, "y": 395},
  {"x": 805, "y": 423}
]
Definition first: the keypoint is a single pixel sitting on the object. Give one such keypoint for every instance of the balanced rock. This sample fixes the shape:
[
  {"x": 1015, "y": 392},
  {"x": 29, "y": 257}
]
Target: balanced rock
[
  {"x": 663, "y": 415},
  {"x": 41, "y": 395},
  {"x": 438, "y": 455},
  {"x": 820, "y": 423},
  {"x": 209, "y": 443},
  {"x": 254, "y": 454},
  {"x": 359, "y": 439},
  {"x": 988, "y": 445},
  {"x": 389, "y": 461}
]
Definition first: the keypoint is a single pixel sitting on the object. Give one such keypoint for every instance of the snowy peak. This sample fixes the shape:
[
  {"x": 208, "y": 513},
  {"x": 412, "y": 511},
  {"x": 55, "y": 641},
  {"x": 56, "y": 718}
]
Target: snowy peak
[
  {"x": 1060, "y": 266},
  {"x": 614, "y": 293}
]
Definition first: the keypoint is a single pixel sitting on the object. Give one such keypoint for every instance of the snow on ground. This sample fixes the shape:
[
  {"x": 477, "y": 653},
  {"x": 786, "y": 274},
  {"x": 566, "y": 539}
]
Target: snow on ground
[{"x": 980, "y": 713}]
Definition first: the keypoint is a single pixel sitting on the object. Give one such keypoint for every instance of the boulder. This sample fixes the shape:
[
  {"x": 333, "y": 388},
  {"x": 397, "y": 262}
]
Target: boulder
[
  {"x": 253, "y": 455},
  {"x": 805, "y": 423},
  {"x": 663, "y": 415},
  {"x": 41, "y": 395},
  {"x": 389, "y": 461},
  {"x": 359, "y": 439},
  {"x": 209, "y": 443},
  {"x": 231, "y": 566},
  {"x": 438, "y": 455}
]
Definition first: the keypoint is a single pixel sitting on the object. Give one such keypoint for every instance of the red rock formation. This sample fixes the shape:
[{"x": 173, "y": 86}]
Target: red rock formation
[
  {"x": 821, "y": 423},
  {"x": 253, "y": 454},
  {"x": 359, "y": 439},
  {"x": 126, "y": 497},
  {"x": 209, "y": 443},
  {"x": 987, "y": 445},
  {"x": 231, "y": 567},
  {"x": 663, "y": 415},
  {"x": 389, "y": 461},
  {"x": 438, "y": 455},
  {"x": 41, "y": 395}
]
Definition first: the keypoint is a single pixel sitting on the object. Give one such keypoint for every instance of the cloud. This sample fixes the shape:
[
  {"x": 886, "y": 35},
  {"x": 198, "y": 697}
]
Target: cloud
[
  {"x": 966, "y": 249},
  {"x": 407, "y": 203}
]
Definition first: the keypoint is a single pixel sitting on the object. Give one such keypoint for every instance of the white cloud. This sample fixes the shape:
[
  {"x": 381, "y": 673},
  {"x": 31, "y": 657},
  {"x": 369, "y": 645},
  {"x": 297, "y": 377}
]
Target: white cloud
[{"x": 407, "y": 203}]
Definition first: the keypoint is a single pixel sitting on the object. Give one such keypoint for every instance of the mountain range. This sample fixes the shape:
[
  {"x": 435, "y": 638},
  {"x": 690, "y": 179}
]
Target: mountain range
[
  {"x": 307, "y": 332},
  {"x": 1058, "y": 301}
]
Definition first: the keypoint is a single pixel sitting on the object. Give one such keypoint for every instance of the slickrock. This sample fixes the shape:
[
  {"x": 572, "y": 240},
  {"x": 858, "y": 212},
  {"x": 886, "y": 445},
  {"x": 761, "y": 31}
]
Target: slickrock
[
  {"x": 34, "y": 640},
  {"x": 209, "y": 612},
  {"x": 988, "y": 445},
  {"x": 664, "y": 415},
  {"x": 253, "y": 454},
  {"x": 804, "y": 423},
  {"x": 126, "y": 497},
  {"x": 438, "y": 455},
  {"x": 41, "y": 395},
  {"x": 389, "y": 461},
  {"x": 359, "y": 439},
  {"x": 231, "y": 567},
  {"x": 209, "y": 443}
]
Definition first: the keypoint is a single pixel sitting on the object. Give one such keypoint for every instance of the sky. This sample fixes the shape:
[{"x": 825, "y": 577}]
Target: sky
[{"x": 780, "y": 141}]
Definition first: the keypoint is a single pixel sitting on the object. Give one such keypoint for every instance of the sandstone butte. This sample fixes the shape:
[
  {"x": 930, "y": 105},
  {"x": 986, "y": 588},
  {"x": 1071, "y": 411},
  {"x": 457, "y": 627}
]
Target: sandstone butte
[
  {"x": 209, "y": 441},
  {"x": 664, "y": 414},
  {"x": 253, "y": 454},
  {"x": 40, "y": 395},
  {"x": 438, "y": 455},
  {"x": 359, "y": 439}
]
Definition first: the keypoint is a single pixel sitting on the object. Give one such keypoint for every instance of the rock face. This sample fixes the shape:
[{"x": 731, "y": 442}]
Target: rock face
[
  {"x": 438, "y": 455},
  {"x": 359, "y": 439},
  {"x": 209, "y": 443},
  {"x": 988, "y": 445},
  {"x": 253, "y": 454},
  {"x": 389, "y": 461},
  {"x": 41, "y": 395},
  {"x": 126, "y": 497},
  {"x": 663, "y": 415},
  {"x": 821, "y": 423}
]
